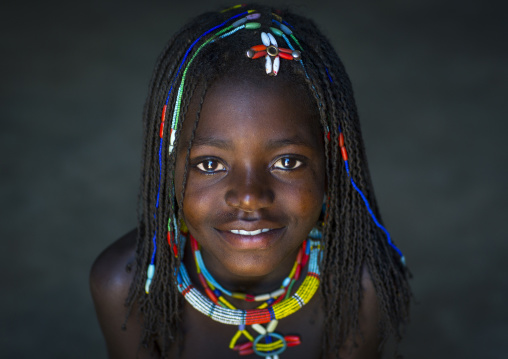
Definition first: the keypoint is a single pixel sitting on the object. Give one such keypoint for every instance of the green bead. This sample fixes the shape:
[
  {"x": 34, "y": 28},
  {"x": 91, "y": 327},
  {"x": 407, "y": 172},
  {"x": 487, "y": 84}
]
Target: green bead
[
  {"x": 252, "y": 25},
  {"x": 276, "y": 31}
]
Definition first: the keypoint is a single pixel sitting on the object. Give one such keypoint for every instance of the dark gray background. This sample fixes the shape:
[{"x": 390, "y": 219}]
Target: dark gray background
[{"x": 431, "y": 84}]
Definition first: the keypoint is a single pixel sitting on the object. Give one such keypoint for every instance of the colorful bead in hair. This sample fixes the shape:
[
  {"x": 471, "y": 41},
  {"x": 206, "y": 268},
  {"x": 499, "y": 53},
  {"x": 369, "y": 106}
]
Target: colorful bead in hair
[{"x": 272, "y": 53}]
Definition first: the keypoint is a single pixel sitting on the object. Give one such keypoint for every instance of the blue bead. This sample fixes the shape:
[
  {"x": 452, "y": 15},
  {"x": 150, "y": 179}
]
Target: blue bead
[{"x": 286, "y": 29}]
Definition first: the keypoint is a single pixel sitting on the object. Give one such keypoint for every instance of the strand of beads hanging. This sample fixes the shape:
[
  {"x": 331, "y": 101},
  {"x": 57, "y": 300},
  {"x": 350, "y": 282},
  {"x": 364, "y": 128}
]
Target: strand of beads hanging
[
  {"x": 222, "y": 33},
  {"x": 225, "y": 32},
  {"x": 274, "y": 343},
  {"x": 343, "y": 152},
  {"x": 272, "y": 53}
]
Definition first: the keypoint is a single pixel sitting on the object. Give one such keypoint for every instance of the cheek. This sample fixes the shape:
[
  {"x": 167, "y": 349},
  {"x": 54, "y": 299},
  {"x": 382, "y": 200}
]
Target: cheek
[
  {"x": 199, "y": 201},
  {"x": 305, "y": 200}
]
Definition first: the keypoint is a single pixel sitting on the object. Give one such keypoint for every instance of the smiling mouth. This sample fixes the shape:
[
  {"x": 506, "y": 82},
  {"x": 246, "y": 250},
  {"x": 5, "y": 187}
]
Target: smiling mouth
[
  {"x": 258, "y": 239},
  {"x": 249, "y": 233}
]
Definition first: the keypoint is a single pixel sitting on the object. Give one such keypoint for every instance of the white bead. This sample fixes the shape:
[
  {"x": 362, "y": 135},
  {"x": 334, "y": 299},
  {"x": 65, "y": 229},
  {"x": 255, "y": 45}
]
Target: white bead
[
  {"x": 278, "y": 292},
  {"x": 262, "y": 297},
  {"x": 172, "y": 141},
  {"x": 268, "y": 64},
  {"x": 271, "y": 327},
  {"x": 147, "y": 285},
  {"x": 272, "y": 39},
  {"x": 275, "y": 356},
  {"x": 276, "y": 65},
  {"x": 265, "y": 39},
  {"x": 258, "y": 328}
]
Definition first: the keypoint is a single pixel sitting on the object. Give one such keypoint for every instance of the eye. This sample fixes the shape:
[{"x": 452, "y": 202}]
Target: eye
[
  {"x": 210, "y": 166},
  {"x": 287, "y": 163}
]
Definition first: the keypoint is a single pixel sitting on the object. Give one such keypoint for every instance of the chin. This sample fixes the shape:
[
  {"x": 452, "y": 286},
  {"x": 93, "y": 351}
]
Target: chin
[{"x": 249, "y": 266}]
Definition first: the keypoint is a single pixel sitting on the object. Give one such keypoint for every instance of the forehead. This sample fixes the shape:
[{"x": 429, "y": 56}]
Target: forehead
[{"x": 266, "y": 107}]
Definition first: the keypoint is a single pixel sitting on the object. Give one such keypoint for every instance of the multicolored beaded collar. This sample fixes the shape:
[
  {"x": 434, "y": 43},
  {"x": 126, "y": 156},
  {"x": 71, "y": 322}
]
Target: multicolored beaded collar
[{"x": 277, "y": 304}]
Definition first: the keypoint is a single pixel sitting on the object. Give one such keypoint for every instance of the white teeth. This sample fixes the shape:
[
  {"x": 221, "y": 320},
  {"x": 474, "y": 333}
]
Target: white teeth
[{"x": 249, "y": 233}]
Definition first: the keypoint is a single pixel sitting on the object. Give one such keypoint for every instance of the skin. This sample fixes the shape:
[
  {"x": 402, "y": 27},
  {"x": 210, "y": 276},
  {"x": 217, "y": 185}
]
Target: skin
[{"x": 257, "y": 162}]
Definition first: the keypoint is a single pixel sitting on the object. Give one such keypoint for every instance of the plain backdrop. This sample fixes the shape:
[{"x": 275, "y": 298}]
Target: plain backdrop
[{"x": 430, "y": 79}]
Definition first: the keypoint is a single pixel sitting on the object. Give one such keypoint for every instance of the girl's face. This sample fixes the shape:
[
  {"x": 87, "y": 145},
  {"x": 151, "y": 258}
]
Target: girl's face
[{"x": 256, "y": 177}]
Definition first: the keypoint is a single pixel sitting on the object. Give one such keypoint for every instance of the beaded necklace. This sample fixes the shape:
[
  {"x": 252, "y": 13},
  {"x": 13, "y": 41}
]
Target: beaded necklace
[{"x": 277, "y": 304}]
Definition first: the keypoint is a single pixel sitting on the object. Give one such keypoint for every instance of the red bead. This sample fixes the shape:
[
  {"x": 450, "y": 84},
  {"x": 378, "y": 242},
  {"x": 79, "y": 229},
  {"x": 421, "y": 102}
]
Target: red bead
[
  {"x": 202, "y": 280},
  {"x": 305, "y": 259},
  {"x": 287, "y": 51},
  {"x": 163, "y": 117},
  {"x": 259, "y": 316},
  {"x": 292, "y": 338},
  {"x": 328, "y": 136},
  {"x": 175, "y": 250},
  {"x": 161, "y": 130},
  {"x": 170, "y": 239},
  {"x": 249, "y": 298},
  {"x": 299, "y": 256},
  {"x": 279, "y": 299},
  {"x": 257, "y": 55},
  {"x": 258, "y": 47},
  {"x": 344, "y": 153},
  {"x": 297, "y": 272},
  {"x": 246, "y": 352},
  {"x": 211, "y": 295},
  {"x": 341, "y": 140},
  {"x": 244, "y": 346},
  {"x": 194, "y": 244},
  {"x": 293, "y": 344},
  {"x": 286, "y": 56}
]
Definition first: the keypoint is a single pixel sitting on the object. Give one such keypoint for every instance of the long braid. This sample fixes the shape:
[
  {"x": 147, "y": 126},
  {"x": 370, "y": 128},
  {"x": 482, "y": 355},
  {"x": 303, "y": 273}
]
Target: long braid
[{"x": 351, "y": 239}]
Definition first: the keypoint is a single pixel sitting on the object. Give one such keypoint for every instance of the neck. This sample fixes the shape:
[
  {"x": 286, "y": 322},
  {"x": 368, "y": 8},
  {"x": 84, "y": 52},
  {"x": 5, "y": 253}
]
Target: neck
[{"x": 253, "y": 285}]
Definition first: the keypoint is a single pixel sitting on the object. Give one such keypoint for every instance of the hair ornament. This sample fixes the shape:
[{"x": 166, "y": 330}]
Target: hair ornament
[
  {"x": 272, "y": 53},
  {"x": 233, "y": 8}
]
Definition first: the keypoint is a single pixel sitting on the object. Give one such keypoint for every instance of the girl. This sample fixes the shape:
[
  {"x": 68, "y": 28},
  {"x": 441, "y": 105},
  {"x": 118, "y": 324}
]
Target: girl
[{"x": 259, "y": 233}]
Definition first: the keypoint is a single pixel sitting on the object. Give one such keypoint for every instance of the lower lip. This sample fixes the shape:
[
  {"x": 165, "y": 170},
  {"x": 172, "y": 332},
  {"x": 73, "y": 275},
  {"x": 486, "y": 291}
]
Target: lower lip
[{"x": 259, "y": 241}]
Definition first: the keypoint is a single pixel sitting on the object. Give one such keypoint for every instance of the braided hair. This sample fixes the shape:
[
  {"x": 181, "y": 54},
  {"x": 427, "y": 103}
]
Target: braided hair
[{"x": 212, "y": 46}]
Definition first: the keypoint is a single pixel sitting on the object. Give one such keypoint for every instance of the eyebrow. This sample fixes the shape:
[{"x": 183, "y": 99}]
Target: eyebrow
[
  {"x": 213, "y": 142},
  {"x": 228, "y": 145},
  {"x": 291, "y": 141}
]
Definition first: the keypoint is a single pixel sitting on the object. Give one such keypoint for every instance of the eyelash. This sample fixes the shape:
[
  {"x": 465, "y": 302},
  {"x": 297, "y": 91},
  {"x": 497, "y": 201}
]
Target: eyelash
[
  {"x": 277, "y": 165},
  {"x": 200, "y": 166},
  {"x": 298, "y": 163}
]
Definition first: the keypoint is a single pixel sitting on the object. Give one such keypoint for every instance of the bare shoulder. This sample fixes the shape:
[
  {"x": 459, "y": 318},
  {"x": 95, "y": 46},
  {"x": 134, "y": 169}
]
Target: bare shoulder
[
  {"x": 366, "y": 344},
  {"x": 112, "y": 272},
  {"x": 110, "y": 279},
  {"x": 369, "y": 306}
]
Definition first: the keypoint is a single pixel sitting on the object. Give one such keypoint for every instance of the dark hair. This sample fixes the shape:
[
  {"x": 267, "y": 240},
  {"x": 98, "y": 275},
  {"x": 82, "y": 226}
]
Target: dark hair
[{"x": 351, "y": 238}]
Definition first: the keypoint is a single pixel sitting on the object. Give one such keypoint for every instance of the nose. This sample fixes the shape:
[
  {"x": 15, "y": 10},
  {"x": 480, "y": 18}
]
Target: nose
[{"x": 249, "y": 191}]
